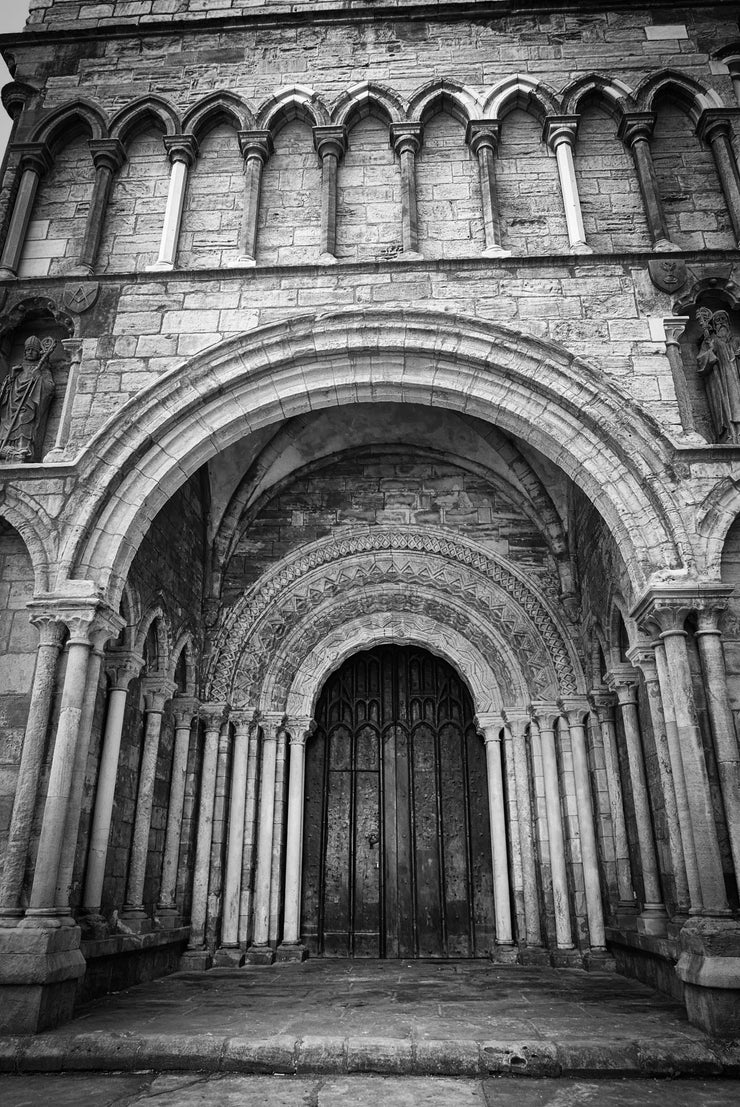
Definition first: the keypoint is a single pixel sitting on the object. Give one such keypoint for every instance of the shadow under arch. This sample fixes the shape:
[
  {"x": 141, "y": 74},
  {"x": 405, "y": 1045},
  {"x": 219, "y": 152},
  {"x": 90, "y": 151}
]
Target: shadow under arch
[{"x": 531, "y": 388}]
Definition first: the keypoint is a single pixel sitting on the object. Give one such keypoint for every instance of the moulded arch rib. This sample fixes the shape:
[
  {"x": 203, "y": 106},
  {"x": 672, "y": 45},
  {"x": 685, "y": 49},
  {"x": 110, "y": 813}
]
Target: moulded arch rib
[
  {"x": 611, "y": 94},
  {"x": 692, "y": 96},
  {"x": 29, "y": 518},
  {"x": 143, "y": 113},
  {"x": 70, "y": 120},
  {"x": 531, "y": 388},
  {"x": 298, "y": 102},
  {"x": 214, "y": 109},
  {"x": 521, "y": 91},
  {"x": 441, "y": 95},
  {"x": 155, "y": 615},
  {"x": 368, "y": 98}
]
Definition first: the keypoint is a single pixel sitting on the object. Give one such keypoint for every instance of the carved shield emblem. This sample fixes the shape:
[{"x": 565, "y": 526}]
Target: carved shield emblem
[
  {"x": 668, "y": 274},
  {"x": 81, "y": 296}
]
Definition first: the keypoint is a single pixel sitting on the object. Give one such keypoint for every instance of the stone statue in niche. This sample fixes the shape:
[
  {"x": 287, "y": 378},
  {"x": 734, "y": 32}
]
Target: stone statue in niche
[
  {"x": 25, "y": 398},
  {"x": 717, "y": 362}
]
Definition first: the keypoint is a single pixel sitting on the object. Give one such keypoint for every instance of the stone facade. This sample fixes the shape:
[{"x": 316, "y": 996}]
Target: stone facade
[{"x": 370, "y": 330}]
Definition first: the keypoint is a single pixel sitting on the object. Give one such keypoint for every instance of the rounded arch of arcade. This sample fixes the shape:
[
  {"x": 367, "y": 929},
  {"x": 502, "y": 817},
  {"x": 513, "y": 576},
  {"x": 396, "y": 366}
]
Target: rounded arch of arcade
[
  {"x": 397, "y": 574},
  {"x": 531, "y": 388}
]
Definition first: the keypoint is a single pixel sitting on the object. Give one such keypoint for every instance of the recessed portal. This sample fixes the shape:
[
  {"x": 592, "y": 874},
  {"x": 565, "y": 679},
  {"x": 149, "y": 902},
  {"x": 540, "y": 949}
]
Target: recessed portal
[{"x": 397, "y": 849}]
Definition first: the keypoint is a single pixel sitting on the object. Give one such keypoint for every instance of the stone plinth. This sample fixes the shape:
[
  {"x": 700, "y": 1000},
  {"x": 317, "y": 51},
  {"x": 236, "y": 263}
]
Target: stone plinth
[
  {"x": 709, "y": 966},
  {"x": 40, "y": 967},
  {"x": 291, "y": 951}
]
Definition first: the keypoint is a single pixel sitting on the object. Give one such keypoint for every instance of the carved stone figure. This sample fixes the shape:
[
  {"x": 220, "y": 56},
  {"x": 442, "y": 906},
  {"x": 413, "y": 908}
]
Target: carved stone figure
[
  {"x": 25, "y": 397},
  {"x": 718, "y": 365}
]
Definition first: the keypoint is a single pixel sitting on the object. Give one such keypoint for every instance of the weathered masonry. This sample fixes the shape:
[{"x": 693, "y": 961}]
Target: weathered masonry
[{"x": 369, "y": 540}]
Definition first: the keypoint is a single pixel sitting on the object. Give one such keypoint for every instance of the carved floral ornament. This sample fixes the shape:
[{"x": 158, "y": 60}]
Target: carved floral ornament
[{"x": 297, "y": 602}]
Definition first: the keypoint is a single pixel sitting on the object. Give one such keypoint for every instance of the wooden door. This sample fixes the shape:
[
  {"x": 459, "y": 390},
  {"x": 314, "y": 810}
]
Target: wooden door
[{"x": 397, "y": 852}]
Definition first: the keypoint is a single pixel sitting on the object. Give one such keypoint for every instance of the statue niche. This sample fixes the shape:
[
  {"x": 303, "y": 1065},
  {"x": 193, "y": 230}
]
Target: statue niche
[
  {"x": 717, "y": 364},
  {"x": 25, "y": 398}
]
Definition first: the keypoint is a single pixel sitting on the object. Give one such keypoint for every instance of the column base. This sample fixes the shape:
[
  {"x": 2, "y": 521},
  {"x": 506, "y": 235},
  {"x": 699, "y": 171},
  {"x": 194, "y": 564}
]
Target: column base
[
  {"x": 260, "y": 955},
  {"x": 598, "y": 960},
  {"x": 566, "y": 959},
  {"x": 136, "y": 919},
  {"x": 327, "y": 259},
  {"x": 663, "y": 246},
  {"x": 11, "y": 916},
  {"x": 247, "y": 260},
  {"x": 496, "y": 252},
  {"x": 409, "y": 255},
  {"x": 709, "y": 967},
  {"x": 534, "y": 955},
  {"x": 653, "y": 919},
  {"x": 291, "y": 951},
  {"x": 168, "y": 918},
  {"x": 159, "y": 267},
  {"x": 196, "y": 960},
  {"x": 504, "y": 955},
  {"x": 39, "y": 971},
  {"x": 93, "y": 925},
  {"x": 228, "y": 957},
  {"x": 581, "y": 248}
]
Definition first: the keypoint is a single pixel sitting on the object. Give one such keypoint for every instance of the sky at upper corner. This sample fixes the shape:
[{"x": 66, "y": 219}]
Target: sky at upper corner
[{"x": 12, "y": 18}]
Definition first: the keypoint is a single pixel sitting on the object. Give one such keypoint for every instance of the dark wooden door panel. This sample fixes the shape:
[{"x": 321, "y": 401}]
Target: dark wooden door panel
[{"x": 397, "y": 856}]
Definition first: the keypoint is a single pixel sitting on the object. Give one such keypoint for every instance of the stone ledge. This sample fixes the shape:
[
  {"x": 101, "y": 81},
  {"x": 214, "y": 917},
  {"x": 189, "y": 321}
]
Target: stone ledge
[
  {"x": 132, "y": 943},
  {"x": 101, "y": 1051},
  {"x": 647, "y": 958}
]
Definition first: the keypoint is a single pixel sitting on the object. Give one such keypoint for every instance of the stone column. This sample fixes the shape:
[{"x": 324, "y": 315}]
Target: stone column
[
  {"x": 122, "y": 668},
  {"x": 108, "y": 156},
  {"x": 291, "y": 948},
  {"x": 575, "y": 713},
  {"x": 517, "y": 724},
  {"x": 278, "y": 838},
  {"x": 667, "y": 608},
  {"x": 653, "y": 918},
  {"x": 491, "y": 728},
  {"x": 635, "y": 130},
  {"x": 674, "y": 328},
  {"x": 560, "y": 135},
  {"x": 482, "y": 137},
  {"x": 229, "y": 952},
  {"x": 26, "y": 789},
  {"x": 250, "y": 814},
  {"x": 35, "y": 162},
  {"x": 406, "y": 141},
  {"x": 709, "y": 641},
  {"x": 196, "y": 955},
  {"x": 604, "y": 704},
  {"x": 260, "y": 952},
  {"x": 65, "y": 875},
  {"x": 182, "y": 151},
  {"x": 545, "y": 722},
  {"x": 330, "y": 144},
  {"x": 185, "y": 709},
  {"x": 156, "y": 692},
  {"x": 256, "y": 148},
  {"x": 89, "y": 624},
  {"x": 715, "y": 128},
  {"x": 513, "y": 837},
  {"x": 644, "y": 658}
]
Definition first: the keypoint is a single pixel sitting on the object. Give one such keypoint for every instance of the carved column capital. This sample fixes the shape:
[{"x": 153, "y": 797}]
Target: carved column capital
[
  {"x": 243, "y": 719},
  {"x": 482, "y": 134},
  {"x": 214, "y": 715},
  {"x": 574, "y": 709},
  {"x": 642, "y": 657},
  {"x": 182, "y": 148},
  {"x": 516, "y": 721},
  {"x": 714, "y": 123},
  {"x": 674, "y": 326},
  {"x": 300, "y": 730},
  {"x": 406, "y": 136},
  {"x": 604, "y": 703},
  {"x": 50, "y": 628},
  {"x": 107, "y": 153},
  {"x": 559, "y": 129},
  {"x": 622, "y": 679},
  {"x": 122, "y": 667},
  {"x": 272, "y": 724},
  {"x": 88, "y": 618},
  {"x": 33, "y": 155},
  {"x": 490, "y": 726},
  {"x": 545, "y": 715},
  {"x": 184, "y": 708},
  {"x": 157, "y": 690},
  {"x": 663, "y": 609},
  {"x": 330, "y": 140},
  {"x": 636, "y": 126},
  {"x": 16, "y": 95},
  {"x": 256, "y": 144}
]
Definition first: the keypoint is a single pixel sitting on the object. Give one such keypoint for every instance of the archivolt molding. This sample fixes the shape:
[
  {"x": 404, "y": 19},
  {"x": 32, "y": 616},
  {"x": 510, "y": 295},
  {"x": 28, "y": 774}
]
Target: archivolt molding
[
  {"x": 386, "y": 628},
  {"x": 37, "y": 530},
  {"x": 406, "y": 558},
  {"x": 584, "y": 423}
]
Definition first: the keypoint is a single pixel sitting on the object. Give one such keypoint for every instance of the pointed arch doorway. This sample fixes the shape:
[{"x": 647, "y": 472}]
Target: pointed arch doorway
[{"x": 397, "y": 848}]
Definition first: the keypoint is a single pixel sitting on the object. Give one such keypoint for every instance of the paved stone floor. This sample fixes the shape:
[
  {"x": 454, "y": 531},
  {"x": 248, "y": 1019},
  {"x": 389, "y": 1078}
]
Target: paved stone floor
[{"x": 331, "y": 1018}]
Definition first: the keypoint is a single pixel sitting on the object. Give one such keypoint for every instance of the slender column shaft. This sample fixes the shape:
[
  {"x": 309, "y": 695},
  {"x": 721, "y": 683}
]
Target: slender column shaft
[
  {"x": 103, "y": 810},
  {"x": 202, "y": 867},
  {"x": 35, "y": 162},
  {"x": 184, "y": 711},
  {"x": 499, "y": 855},
  {"x": 26, "y": 789},
  {"x": 233, "y": 880},
  {"x": 250, "y": 814},
  {"x": 182, "y": 151},
  {"x": 256, "y": 148},
  {"x": 589, "y": 852},
  {"x": 278, "y": 835},
  {"x": 263, "y": 877},
  {"x": 108, "y": 156},
  {"x": 660, "y": 735},
  {"x": 560, "y": 135},
  {"x": 526, "y": 837},
  {"x": 653, "y": 916},
  {"x": 482, "y": 137},
  {"x": 679, "y": 782},
  {"x": 674, "y": 328},
  {"x": 716, "y": 129},
  {"x": 695, "y": 772},
  {"x": 635, "y": 130},
  {"x": 513, "y": 837},
  {"x": 406, "y": 141},
  {"x": 605, "y": 714},
  {"x": 709, "y": 639},
  {"x": 330, "y": 144},
  {"x": 51, "y": 842},
  {"x": 563, "y": 930},
  {"x": 74, "y": 804},
  {"x": 144, "y": 799},
  {"x": 294, "y": 842}
]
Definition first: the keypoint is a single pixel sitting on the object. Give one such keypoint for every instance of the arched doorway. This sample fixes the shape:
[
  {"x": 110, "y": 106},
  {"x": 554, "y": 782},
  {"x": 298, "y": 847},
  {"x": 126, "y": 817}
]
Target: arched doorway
[{"x": 397, "y": 850}]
